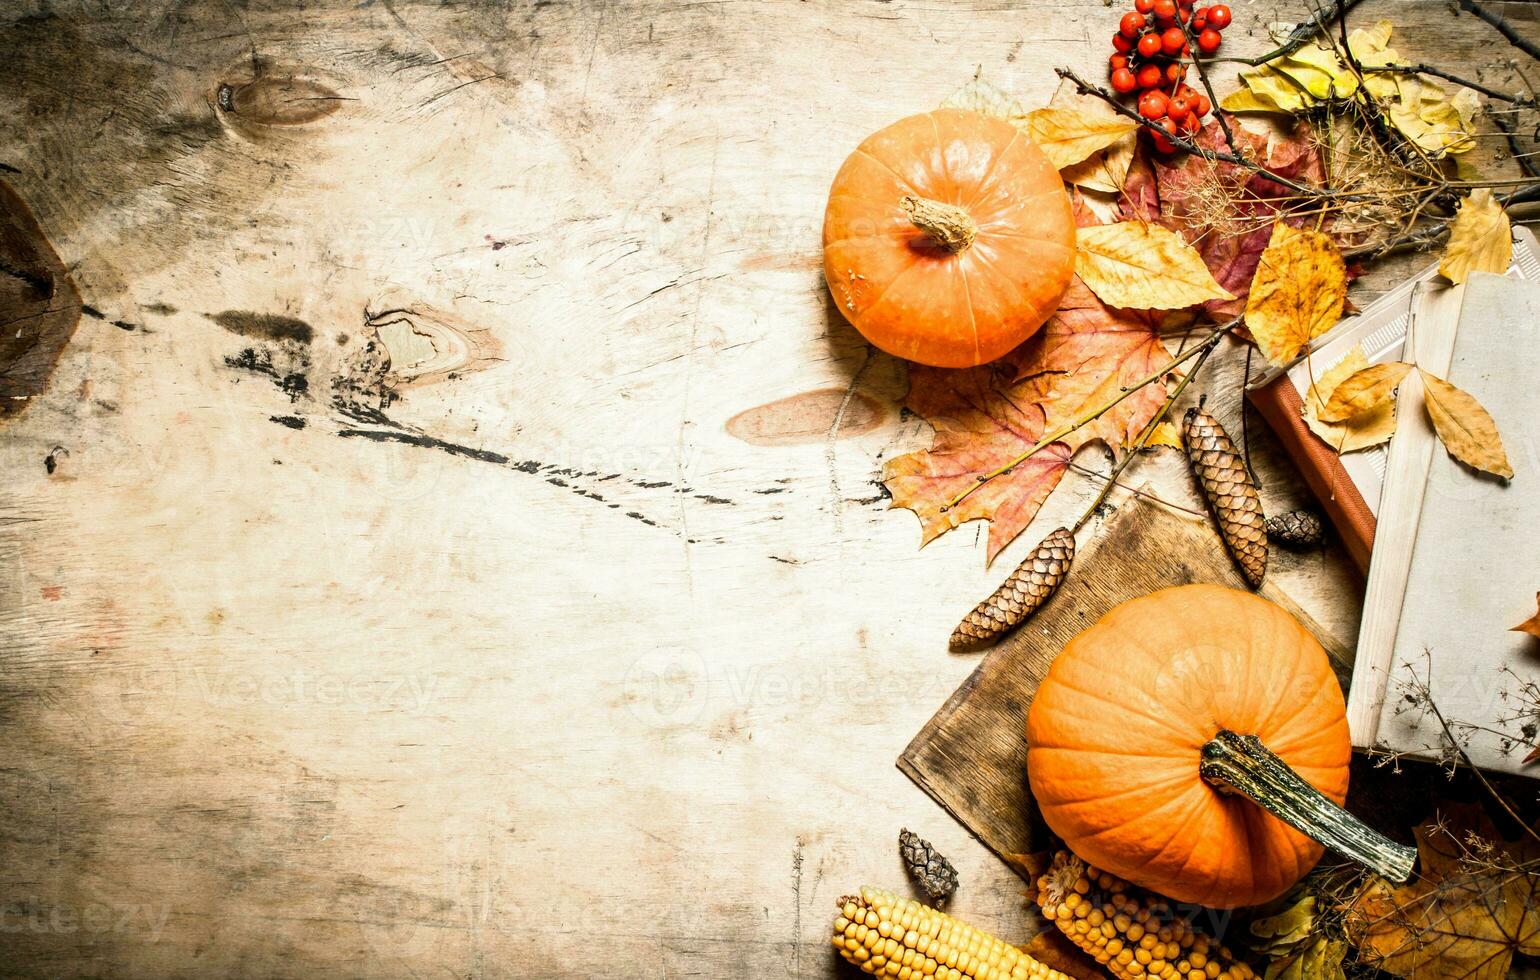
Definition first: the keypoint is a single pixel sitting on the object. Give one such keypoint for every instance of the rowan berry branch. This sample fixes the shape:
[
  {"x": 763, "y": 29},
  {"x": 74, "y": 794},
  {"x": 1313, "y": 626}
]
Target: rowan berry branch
[
  {"x": 1094, "y": 413},
  {"x": 1182, "y": 143}
]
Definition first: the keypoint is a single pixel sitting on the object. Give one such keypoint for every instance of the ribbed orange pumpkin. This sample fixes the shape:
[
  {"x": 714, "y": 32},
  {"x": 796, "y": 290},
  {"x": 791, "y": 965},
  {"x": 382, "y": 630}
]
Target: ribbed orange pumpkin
[
  {"x": 1130, "y": 711},
  {"x": 948, "y": 239}
]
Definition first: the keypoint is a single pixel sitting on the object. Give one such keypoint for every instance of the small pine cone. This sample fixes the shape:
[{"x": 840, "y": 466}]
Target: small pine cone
[
  {"x": 934, "y": 873},
  {"x": 1229, "y": 491},
  {"x": 1300, "y": 528},
  {"x": 1028, "y": 587}
]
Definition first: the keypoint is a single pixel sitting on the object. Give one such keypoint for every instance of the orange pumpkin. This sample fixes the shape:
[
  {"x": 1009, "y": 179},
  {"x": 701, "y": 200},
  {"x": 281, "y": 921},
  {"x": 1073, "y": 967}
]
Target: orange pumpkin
[
  {"x": 948, "y": 238},
  {"x": 1171, "y": 740}
]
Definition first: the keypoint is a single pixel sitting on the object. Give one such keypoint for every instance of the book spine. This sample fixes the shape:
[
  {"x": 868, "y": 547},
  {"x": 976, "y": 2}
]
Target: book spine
[{"x": 1280, "y": 406}]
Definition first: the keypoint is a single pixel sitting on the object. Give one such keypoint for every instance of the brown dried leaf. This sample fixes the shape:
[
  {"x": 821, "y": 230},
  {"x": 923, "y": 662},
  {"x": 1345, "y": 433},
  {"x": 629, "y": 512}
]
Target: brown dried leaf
[
  {"x": 1464, "y": 427},
  {"x": 1459, "y": 920},
  {"x": 1297, "y": 293},
  {"x": 1369, "y": 429},
  {"x": 1532, "y": 627},
  {"x": 982, "y": 420},
  {"x": 1364, "y": 391},
  {"x": 1140, "y": 266},
  {"x": 1480, "y": 240}
]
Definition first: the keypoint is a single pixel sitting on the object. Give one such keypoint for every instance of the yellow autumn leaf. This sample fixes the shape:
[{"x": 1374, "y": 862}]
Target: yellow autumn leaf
[
  {"x": 1165, "y": 434},
  {"x": 1272, "y": 87},
  {"x": 1140, "y": 266},
  {"x": 1481, "y": 239},
  {"x": 1368, "y": 44},
  {"x": 1070, "y": 134},
  {"x": 980, "y": 96},
  {"x": 1362, "y": 432},
  {"x": 1464, "y": 427},
  {"x": 1364, "y": 391},
  {"x": 1297, "y": 292},
  {"x": 1105, "y": 170},
  {"x": 1245, "y": 100},
  {"x": 1319, "y": 72}
]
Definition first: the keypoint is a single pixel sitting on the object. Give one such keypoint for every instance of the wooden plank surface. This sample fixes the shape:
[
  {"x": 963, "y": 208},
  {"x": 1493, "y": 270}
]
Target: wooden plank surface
[
  {"x": 451, "y": 540},
  {"x": 971, "y": 757}
]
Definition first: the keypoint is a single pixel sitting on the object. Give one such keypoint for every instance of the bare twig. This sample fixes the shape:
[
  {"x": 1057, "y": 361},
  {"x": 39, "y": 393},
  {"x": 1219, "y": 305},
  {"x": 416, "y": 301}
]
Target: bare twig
[
  {"x": 1144, "y": 436},
  {"x": 1299, "y": 36},
  {"x": 1092, "y": 414},
  {"x": 1420, "y": 69},
  {"x": 1500, "y": 23}
]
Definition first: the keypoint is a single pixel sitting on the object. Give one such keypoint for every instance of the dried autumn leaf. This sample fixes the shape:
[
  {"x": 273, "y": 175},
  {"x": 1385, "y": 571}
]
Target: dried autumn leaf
[
  {"x": 1459, "y": 920},
  {"x": 1480, "y": 240},
  {"x": 1070, "y": 134},
  {"x": 1283, "y": 931},
  {"x": 1105, "y": 170},
  {"x": 1085, "y": 355},
  {"x": 980, "y": 96},
  {"x": 1364, "y": 391},
  {"x": 1319, "y": 959},
  {"x": 1165, "y": 434},
  {"x": 1530, "y": 626},
  {"x": 982, "y": 420},
  {"x": 1141, "y": 266},
  {"x": 1362, "y": 432},
  {"x": 1297, "y": 293},
  {"x": 1464, "y": 427}
]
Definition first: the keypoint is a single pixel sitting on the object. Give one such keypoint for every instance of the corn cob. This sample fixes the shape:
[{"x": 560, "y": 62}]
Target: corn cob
[
  {"x": 1028, "y": 587},
  {"x": 898, "y": 937},
  {"x": 1133, "y": 935},
  {"x": 1231, "y": 495}
]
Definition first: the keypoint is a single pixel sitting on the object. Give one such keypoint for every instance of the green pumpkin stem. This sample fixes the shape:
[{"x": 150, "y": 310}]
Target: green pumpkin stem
[
  {"x": 948, "y": 225},
  {"x": 1242, "y": 764}
]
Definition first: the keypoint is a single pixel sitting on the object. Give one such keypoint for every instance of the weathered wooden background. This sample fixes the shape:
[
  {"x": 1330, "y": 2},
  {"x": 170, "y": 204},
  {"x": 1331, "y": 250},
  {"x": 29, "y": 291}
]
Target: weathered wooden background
[{"x": 451, "y": 541}]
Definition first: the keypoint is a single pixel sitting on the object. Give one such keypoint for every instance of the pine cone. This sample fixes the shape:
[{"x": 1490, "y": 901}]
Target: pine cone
[
  {"x": 1300, "y": 528},
  {"x": 1028, "y": 587},
  {"x": 1229, "y": 491},
  {"x": 934, "y": 873}
]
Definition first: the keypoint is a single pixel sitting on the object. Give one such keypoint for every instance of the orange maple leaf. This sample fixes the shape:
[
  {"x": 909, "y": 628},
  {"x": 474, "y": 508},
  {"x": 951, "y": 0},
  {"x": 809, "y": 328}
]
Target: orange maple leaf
[
  {"x": 982, "y": 419},
  {"x": 1088, "y": 352}
]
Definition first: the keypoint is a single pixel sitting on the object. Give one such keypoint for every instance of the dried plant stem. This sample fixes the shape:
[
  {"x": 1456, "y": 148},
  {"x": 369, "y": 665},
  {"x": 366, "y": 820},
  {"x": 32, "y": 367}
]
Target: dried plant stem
[
  {"x": 1299, "y": 36},
  {"x": 1092, "y": 414},
  {"x": 1502, "y": 801},
  {"x": 1197, "y": 62},
  {"x": 1500, "y": 23},
  {"x": 1144, "y": 437},
  {"x": 1137, "y": 492},
  {"x": 1420, "y": 69}
]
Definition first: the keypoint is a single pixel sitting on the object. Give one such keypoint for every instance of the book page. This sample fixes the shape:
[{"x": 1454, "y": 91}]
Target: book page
[{"x": 1475, "y": 566}]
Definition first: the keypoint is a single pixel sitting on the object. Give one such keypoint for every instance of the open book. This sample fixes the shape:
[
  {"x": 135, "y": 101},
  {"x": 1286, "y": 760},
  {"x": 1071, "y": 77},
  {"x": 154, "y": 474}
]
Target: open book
[
  {"x": 1456, "y": 557},
  {"x": 1349, "y": 486}
]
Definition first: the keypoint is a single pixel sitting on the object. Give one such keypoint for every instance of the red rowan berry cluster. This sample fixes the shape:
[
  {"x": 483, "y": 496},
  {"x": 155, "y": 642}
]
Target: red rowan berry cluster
[{"x": 1148, "y": 51}]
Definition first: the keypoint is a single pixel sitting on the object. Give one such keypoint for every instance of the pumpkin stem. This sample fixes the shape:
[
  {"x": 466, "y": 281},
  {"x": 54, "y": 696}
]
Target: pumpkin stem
[
  {"x": 1242, "y": 764},
  {"x": 948, "y": 225}
]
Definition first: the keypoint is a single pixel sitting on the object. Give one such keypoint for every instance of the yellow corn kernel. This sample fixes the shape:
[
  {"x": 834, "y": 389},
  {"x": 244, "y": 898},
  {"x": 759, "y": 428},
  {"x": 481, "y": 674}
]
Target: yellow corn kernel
[
  {"x": 1130, "y": 931},
  {"x": 889, "y": 936}
]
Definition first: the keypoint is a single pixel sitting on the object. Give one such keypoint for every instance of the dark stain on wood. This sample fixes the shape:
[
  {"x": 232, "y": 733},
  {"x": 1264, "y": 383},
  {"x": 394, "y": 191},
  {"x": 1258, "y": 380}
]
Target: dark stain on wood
[
  {"x": 277, "y": 100},
  {"x": 268, "y": 326},
  {"x": 39, "y": 305},
  {"x": 807, "y": 418},
  {"x": 291, "y": 421}
]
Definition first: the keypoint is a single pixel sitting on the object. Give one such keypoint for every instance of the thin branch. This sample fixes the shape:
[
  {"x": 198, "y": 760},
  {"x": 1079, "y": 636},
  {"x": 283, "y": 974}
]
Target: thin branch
[
  {"x": 1299, "y": 36},
  {"x": 1420, "y": 69},
  {"x": 1144, "y": 437},
  {"x": 1500, "y": 23},
  {"x": 1182, "y": 143},
  {"x": 1197, "y": 62},
  {"x": 1092, "y": 414}
]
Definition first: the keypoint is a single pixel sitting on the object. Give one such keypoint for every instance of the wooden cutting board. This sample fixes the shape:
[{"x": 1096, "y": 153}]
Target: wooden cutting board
[{"x": 971, "y": 757}]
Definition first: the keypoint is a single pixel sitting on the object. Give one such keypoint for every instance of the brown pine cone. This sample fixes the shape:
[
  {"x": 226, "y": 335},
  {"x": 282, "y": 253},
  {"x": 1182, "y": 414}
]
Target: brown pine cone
[
  {"x": 1300, "y": 528},
  {"x": 1229, "y": 491},
  {"x": 934, "y": 873},
  {"x": 1028, "y": 587}
]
